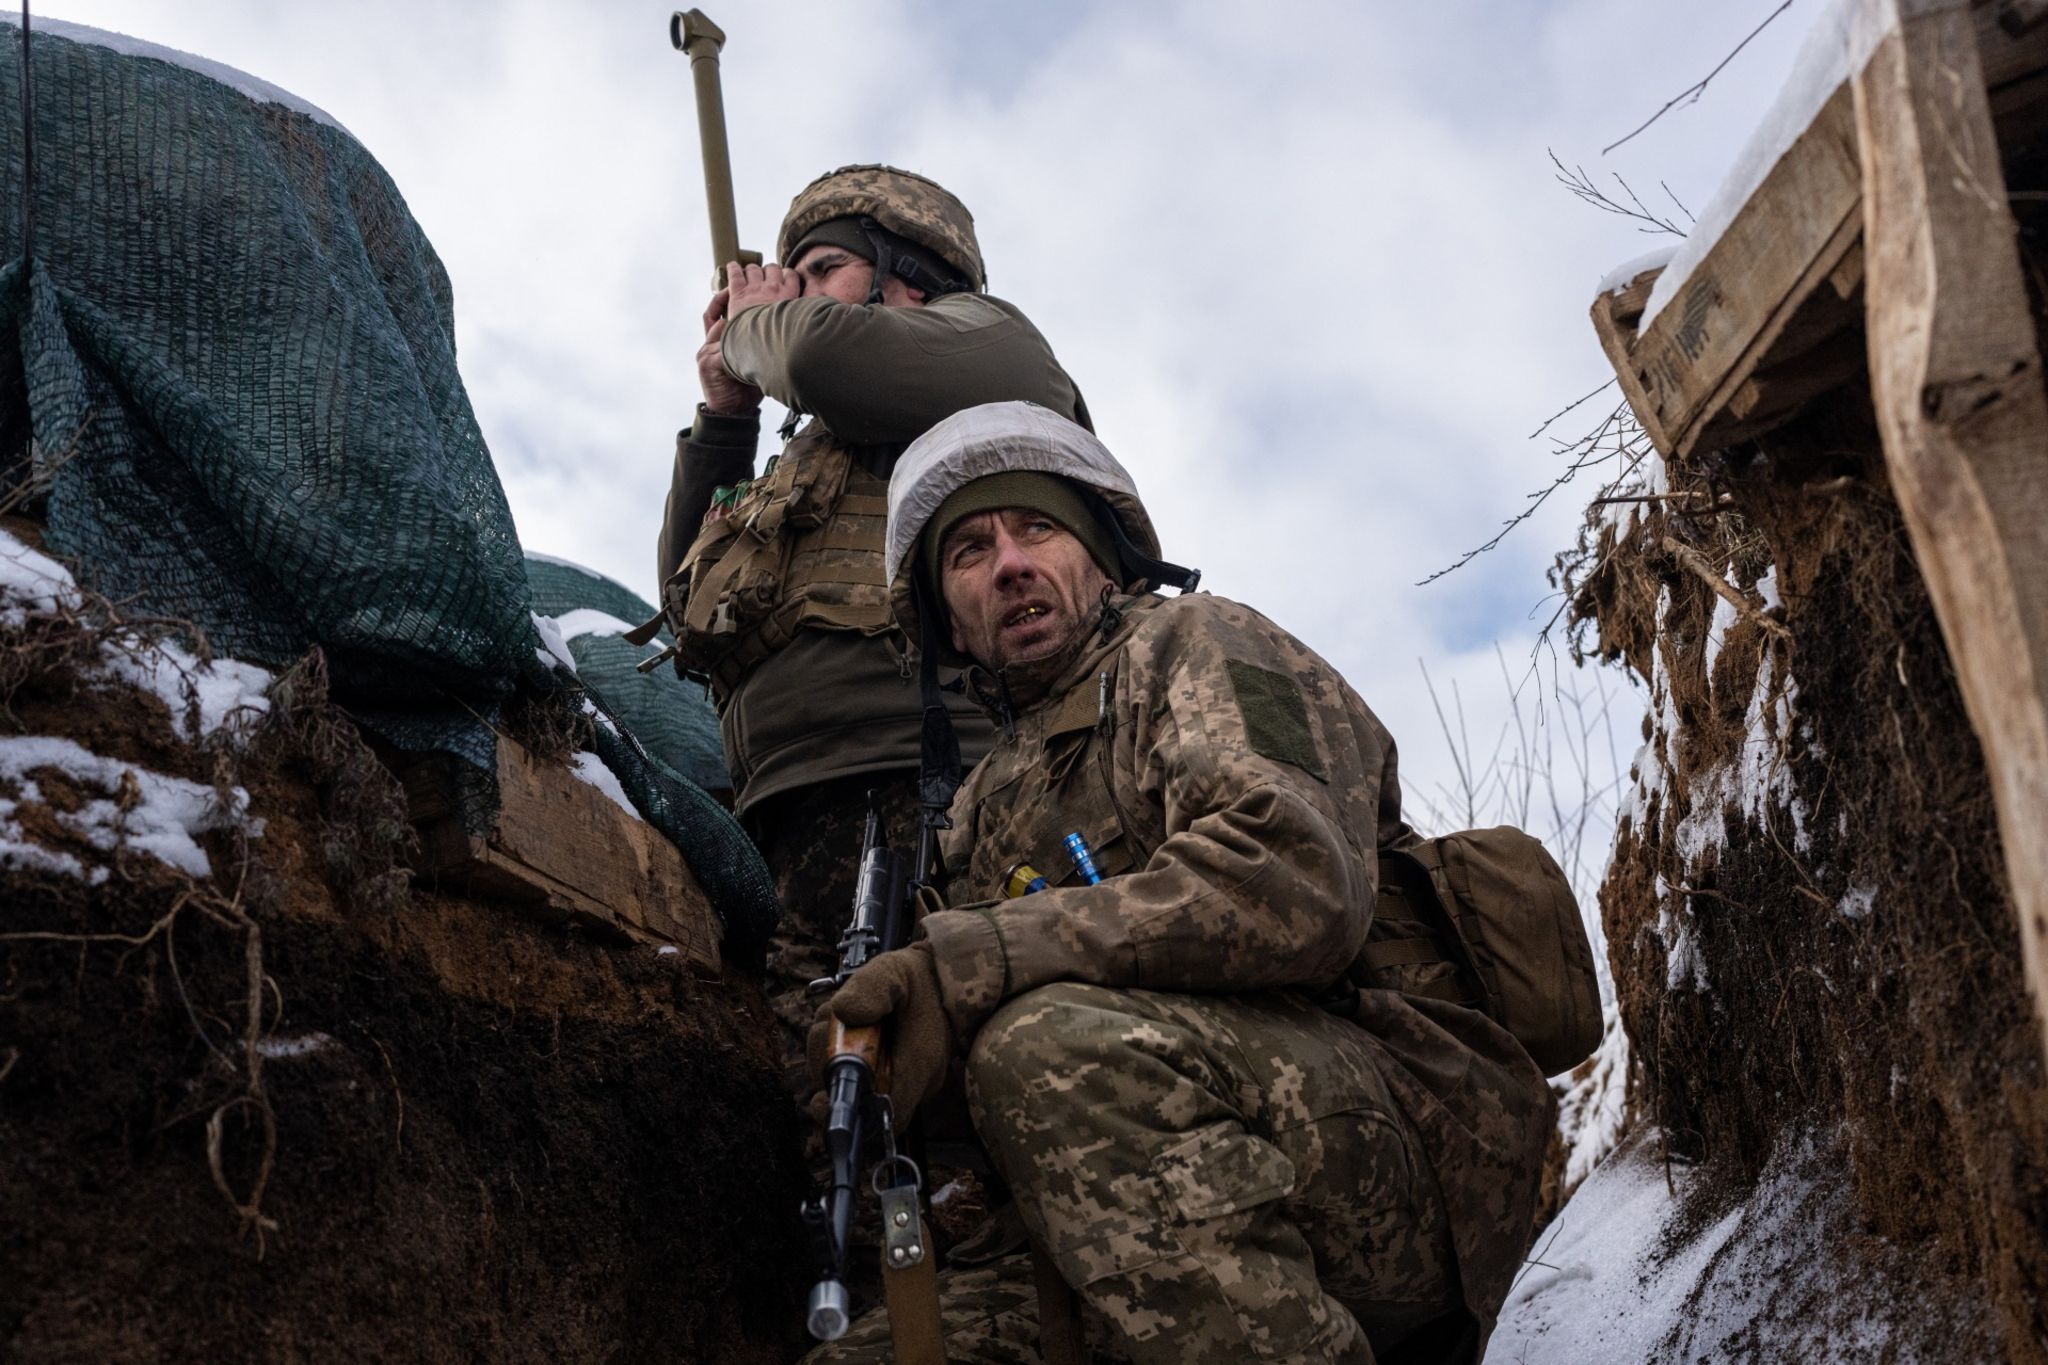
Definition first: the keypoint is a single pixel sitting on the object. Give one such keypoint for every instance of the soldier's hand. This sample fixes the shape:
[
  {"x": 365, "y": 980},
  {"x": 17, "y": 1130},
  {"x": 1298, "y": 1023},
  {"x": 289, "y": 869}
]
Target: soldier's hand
[
  {"x": 750, "y": 286},
  {"x": 899, "y": 991},
  {"x": 723, "y": 394}
]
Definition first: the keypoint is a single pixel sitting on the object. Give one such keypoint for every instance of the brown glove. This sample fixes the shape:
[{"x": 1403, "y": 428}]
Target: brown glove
[{"x": 900, "y": 991}]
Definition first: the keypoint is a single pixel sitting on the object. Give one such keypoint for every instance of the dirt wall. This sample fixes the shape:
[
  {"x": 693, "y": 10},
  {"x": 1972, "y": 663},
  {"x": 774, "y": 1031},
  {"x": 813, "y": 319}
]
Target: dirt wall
[
  {"x": 1806, "y": 914},
  {"x": 249, "y": 1117}
]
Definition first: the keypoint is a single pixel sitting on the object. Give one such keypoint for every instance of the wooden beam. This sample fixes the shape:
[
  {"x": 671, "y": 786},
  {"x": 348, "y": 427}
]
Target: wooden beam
[
  {"x": 563, "y": 852},
  {"x": 1957, "y": 379}
]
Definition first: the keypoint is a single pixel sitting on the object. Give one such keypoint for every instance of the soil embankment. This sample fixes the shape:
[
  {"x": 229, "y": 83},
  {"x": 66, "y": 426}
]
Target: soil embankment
[
  {"x": 1807, "y": 918},
  {"x": 294, "y": 1110}
]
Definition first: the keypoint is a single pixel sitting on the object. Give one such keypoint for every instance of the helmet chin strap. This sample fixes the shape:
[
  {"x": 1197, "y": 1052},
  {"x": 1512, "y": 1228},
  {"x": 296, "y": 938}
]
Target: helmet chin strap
[
  {"x": 885, "y": 257},
  {"x": 889, "y": 261}
]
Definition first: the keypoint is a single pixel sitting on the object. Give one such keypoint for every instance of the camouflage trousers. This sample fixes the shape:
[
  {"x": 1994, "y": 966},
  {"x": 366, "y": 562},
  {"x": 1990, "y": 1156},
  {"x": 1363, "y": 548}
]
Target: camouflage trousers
[
  {"x": 810, "y": 839},
  {"x": 1222, "y": 1178}
]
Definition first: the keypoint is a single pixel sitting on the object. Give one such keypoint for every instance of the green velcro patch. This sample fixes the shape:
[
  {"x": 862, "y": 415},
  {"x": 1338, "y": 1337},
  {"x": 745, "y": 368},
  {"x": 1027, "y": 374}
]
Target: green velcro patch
[{"x": 1275, "y": 717}]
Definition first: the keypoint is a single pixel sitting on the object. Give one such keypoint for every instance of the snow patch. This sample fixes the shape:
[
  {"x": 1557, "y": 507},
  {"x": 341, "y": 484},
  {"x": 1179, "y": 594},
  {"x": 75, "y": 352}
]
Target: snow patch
[
  {"x": 1725, "y": 617},
  {"x": 590, "y": 768},
  {"x": 554, "y": 652},
  {"x": 587, "y": 621},
  {"x": 127, "y": 807},
  {"x": 203, "y": 696},
  {"x": 1767, "y": 588},
  {"x": 31, "y": 584},
  {"x": 1592, "y": 1109},
  {"x": 1758, "y": 781},
  {"x": 1593, "y": 1288},
  {"x": 1624, "y": 274},
  {"x": 241, "y": 82},
  {"x": 299, "y": 1045},
  {"x": 1683, "y": 965}
]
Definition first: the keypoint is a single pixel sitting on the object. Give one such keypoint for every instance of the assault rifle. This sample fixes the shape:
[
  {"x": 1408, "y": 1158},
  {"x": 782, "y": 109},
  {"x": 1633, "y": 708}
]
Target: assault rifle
[{"x": 857, "y": 1109}]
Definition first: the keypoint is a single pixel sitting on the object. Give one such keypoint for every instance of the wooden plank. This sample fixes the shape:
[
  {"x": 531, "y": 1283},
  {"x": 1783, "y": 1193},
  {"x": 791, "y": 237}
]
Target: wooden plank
[
  {"x": 564, "y": 852},
  {"x": 1709, "y": 340},
  {"x": 1615, "y": 319},
  {"x": 1957, "y": 379},
  {"x": 1697, "y": 373}
]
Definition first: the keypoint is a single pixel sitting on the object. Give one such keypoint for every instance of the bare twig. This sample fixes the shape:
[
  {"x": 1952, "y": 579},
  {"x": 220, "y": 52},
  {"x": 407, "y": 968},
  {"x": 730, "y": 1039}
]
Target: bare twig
[
  {"x": 1676, "y": 200},
  {"x": 1582, "y": 186},
  {"x": 1569, "y": 407},
  {"x": 1618, "y": 434},
  {"x": 398, "y": 1135},
  {"x": 1686, "y": 495},
  {"x": 1694, "y": 91}
]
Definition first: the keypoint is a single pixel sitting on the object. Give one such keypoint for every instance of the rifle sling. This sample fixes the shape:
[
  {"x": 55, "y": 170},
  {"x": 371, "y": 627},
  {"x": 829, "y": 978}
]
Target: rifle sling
[
  {"x": 911, "y": 1296},
  {"x": 1059, "y": 1313}
]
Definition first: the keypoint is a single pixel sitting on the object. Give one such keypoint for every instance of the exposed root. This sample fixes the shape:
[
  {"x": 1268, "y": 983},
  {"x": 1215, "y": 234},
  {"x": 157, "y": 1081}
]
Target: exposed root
[{"x": 226, "y": 912}]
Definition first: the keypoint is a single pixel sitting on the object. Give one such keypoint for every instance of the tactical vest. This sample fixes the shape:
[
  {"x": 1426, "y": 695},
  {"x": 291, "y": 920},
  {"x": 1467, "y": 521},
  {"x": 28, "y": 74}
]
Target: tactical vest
[{"x": 799, "y": 548}]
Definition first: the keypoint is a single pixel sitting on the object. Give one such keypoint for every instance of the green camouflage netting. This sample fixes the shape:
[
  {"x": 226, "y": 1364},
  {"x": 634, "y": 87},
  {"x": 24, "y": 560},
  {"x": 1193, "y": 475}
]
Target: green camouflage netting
[
  {"x": 227, "y": 372},
  {"x": 676, "y": 724}
]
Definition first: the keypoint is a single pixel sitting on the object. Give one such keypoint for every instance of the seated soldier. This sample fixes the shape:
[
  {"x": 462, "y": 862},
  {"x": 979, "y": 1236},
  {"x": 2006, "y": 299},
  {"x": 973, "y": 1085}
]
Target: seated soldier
[{"x": 1222, "y": 1167}]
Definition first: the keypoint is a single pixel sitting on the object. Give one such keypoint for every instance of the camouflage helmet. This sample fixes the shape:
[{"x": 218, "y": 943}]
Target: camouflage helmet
[{"x": 914, "y": 208}]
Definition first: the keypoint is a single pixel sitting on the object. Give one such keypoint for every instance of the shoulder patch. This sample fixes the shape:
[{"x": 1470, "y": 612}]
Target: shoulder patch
[{"x": 1275, "y": 717}]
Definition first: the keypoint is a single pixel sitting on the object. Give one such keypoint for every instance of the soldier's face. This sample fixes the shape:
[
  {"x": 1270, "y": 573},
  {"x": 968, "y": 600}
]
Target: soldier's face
[
  {"x": 835, "y": 273},
  {"x": 1018, "y": 586}
]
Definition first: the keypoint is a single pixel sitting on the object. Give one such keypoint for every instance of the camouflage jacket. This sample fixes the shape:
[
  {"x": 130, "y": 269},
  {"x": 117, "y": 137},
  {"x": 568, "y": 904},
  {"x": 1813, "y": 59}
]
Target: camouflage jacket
[{"x": 1235, "y": 791}]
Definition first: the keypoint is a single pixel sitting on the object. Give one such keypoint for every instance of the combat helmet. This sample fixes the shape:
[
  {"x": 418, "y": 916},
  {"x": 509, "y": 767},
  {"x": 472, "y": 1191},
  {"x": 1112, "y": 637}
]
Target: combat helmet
[
  {"x": 885, "y": 201},
  {"x": 1002, "y": 438},
  {"x": 997, "y": 438}
]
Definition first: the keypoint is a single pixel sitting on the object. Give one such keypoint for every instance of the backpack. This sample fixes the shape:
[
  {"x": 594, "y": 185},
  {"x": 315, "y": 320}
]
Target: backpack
[{"x": 1486, "y": 918}]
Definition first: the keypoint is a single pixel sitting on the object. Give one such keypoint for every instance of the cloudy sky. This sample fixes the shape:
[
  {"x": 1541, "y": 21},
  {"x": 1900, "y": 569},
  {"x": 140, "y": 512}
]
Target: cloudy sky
[{"x": 1307, "y": 260}]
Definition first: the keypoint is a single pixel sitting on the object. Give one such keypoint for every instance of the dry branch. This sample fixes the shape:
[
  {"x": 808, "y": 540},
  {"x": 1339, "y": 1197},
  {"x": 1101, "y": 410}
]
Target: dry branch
[{"x": 1696, "y": 562}]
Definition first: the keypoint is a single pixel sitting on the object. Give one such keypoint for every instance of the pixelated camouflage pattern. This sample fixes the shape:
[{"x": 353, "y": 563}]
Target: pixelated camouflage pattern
[
  {"x": 904, "y": 202},
  {"x": 1227, "y": 871}
]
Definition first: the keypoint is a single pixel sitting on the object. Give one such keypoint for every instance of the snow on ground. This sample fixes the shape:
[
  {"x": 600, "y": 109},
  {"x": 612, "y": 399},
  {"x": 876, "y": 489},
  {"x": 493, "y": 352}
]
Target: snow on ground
[
  {"x": 1629, "y": 1273},
  {"x": 125, "y": 807},
  {"x": 590, "y": 768},
  {"x": 31, "y": 584},
  {"x": 122, "y": 806},
  {"x": 1598, "y": 1287},
  {"x": 203, "y": 695}
]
